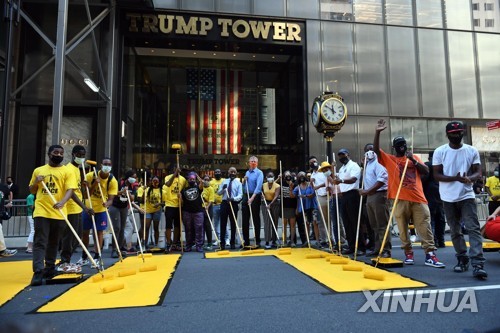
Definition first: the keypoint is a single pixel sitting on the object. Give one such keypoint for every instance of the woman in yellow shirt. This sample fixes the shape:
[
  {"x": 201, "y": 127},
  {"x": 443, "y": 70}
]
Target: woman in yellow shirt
[
  {"x": 153, "y": 202},
  {"x": 271, "y": 192}
]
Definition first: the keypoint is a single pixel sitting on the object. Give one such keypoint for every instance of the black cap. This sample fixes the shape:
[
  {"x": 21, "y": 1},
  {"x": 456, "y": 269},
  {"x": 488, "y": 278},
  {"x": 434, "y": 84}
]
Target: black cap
[
  {"x": 343, "y": 151},
  {"x": 455, "y": 126},
  {"x": 397, "y": 141}
]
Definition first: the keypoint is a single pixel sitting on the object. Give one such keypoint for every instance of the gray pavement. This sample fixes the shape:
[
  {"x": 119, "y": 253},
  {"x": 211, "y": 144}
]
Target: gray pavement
[{"x": 260, "y": 294}]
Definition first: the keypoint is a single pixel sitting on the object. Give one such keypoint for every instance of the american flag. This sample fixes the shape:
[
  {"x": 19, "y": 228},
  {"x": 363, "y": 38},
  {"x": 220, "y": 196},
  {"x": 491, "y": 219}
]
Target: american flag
[{"x": 213, "y": 126}]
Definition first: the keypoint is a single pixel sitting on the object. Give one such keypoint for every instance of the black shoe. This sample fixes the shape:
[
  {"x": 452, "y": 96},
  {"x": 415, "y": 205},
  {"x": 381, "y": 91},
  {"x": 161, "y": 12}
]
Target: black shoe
[
  {"x": 386, "y": 254},
  {"x": 372, "y": 254},
  {"x": 114, "y": 254},
  {"x": 346, "y": 251},
  {"x": 232, "y": 247},
  {"x": 49, "y": 273},
  {"x": 462, "y": 265},
  {"x": 37, "y": 279},
  {"x": 360, "y": 253},
  {"x": 479, "y": 272}
]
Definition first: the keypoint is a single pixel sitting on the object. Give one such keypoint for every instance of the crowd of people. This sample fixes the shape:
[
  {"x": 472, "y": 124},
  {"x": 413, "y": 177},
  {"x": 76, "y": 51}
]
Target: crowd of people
[{"x": 345, "y": 210}]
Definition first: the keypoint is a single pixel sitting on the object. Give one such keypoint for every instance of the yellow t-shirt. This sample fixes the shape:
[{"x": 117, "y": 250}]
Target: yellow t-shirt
[
  {"x": 214, "y": 183},
  {"x": 493, "y": 183},
  {"x": 269, "y": 193},
  {"x": 72, "y": 206},
  {"x": 139, "y": 194},
  {"x": 208, "y": 194},
  {"x": 58, "y": 181},
  {"x": 95, "y": 195},
  {"x": 170, "y": 192},
  {"x": 153, "y": 196}
]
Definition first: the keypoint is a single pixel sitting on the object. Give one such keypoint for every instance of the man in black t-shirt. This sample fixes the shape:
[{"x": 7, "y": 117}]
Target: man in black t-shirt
[{"x": 192, "y": 214}]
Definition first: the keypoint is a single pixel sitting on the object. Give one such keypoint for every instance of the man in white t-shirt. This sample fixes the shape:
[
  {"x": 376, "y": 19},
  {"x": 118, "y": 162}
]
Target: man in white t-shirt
[
  {"x": 456, "y": 166},
  {"x": 348, "y": 180},
  {"x": 318, "y": 181}
]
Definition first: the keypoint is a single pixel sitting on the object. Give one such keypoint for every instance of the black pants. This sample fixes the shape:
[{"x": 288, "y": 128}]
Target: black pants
[
  {"x": 207, "y": 226},
  {"x": 438, "y": 222},
  {"x": 69, "y": 242},
  {"x": 349, "y": 208},
  {"x": 46, "y": 242},
  {"x": 302, "y": 231},
  {"x": 245, "y": 210},
  {"x": 225, "y": 213},
  {"x": 119, "y": 219}
]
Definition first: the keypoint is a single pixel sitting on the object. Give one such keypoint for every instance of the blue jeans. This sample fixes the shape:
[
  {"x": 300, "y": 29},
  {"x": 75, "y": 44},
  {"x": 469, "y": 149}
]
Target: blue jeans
[
  {"x": 465, "y": 211},
  {"x": 216, "y": 220}
]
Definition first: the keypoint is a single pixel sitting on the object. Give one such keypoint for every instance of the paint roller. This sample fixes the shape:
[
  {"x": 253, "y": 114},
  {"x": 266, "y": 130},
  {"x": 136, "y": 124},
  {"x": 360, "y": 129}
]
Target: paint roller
[
  {"x": 339, "y": 261},
  {"x": 246, "y": 253},
  {"x": 127, "y": 272},
  {"x": 352, "y": 268},
  {"x": 223, "y": 253},
  {"x": 110, "y": 287},
  {"x": 148, "y": 268},
  {"x": 282, "y": 252},
  {"x": 103, "y": 276},
  {"x": 313, "y": 256},
  {"x": 374, "y": 275}
]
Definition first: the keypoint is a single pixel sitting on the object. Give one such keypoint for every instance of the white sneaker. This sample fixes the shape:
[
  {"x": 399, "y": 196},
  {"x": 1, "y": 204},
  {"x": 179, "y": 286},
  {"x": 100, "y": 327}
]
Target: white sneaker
[
  {"x": 215, "y": 243},
  {"x": 413, "y": 238},
  {"x": 8, "y": 253},
  {"x": 228, "y": 243},
  {"x": 63, "y": 267},
  {"x": 83, "y": 262}
]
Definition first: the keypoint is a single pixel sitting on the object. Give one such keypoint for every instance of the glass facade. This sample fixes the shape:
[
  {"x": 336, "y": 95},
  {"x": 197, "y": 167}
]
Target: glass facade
[{"x": 416, "y": 64}]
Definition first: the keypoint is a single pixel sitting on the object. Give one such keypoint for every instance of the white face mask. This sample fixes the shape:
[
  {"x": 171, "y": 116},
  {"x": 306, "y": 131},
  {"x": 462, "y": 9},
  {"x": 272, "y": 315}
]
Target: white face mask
[
  {"x": 132, "y": 180},
  {"x": 79, "y": 160},
  {"x": 270, "y": 179},
  {"x": 370, "y": 155},
  {"x": 495, "y": 173},
  {"x": 327, "y": 173},
  {"x": 106, "y": 169}
]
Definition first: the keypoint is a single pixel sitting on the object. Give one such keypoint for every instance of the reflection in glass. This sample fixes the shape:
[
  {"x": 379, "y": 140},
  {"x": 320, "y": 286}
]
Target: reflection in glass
[
  {"x": 398, "y": 12},
  {"x": 486, "y": 16},
  {"x": 437, "y": 133},
  {"x": 402, "y": 71},
  {"x": 371, "y": 70},
  {"x": 261, "y": 7},
  {"x": 463, "y": 76},
  {"x": 303, "y": 9},
  {"x": 338, "y": 64},
  {"x": 429, "y": 13},
  {"x": 458, "y": 14},
  {"x": 433, "y": 73},
  {"x": 488, "y": 46},
  {"x": 229, "y": 6},
  {"x": 368, "y": 11},
  {"x": 337, "y": 10}
]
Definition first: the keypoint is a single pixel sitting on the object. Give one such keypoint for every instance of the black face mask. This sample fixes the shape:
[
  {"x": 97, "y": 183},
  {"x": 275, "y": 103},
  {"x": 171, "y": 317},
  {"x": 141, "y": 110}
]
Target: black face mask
[
  {"x": 56, "y": 159},
  {"x": 314, "y": 166},
  {"x": 217, "y": 176},
  {"x": 456, "y": 139},
  {"x": 343, "y": 160},
  {"x": 302, "y": 179},
  {"x": 232, "y": 176},
  {"x": 401, "y": 149},
  {"x": 192, "y": 183},
  {"x": 288, "y": 178},
  {"x": 8, "y": 183}
]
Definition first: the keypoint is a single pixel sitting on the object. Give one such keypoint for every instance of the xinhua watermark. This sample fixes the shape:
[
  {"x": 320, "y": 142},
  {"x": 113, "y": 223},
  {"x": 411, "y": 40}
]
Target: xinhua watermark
[{"x": 420, "y": 301}]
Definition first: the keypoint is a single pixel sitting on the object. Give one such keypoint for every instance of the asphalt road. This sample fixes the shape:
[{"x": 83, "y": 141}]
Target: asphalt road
[{"x": 263, "y": 294}]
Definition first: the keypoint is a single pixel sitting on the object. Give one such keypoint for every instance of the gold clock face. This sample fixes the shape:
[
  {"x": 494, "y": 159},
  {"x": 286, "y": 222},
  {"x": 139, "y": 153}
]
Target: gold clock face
[
  {"x": 315, "y": 113},
  {"x": 333, "y": 111}
]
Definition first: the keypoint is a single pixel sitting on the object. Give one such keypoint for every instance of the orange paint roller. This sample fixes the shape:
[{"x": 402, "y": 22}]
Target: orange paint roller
[
  {"x": 223, "y": 253},
  {"x": 110, "y": 287},
  {"x": 339, "y": 261},
  {"x": 313, "y": 256}
]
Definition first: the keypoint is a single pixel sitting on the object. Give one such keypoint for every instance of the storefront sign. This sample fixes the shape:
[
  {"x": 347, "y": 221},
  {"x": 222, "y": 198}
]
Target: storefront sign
[{"x": 239, "y": 28}]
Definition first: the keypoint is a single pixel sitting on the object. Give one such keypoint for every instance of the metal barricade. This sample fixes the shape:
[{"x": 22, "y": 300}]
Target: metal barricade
[
  {"x": 17, "y": 225},
  {"x": 482, "y": 206}
]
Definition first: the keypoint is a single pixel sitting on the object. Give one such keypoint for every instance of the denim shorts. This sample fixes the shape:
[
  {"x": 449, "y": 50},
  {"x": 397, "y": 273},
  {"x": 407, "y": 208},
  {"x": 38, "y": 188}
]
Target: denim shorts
[{"x": 156, "y": 216}]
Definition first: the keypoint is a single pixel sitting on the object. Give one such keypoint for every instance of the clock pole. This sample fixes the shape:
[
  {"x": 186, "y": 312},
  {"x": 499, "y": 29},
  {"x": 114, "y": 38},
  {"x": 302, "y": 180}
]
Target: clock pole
[{"x": 329, "y": 146}]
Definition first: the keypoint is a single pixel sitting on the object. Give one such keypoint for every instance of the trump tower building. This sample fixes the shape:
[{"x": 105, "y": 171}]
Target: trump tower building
[{"x": 229, "y": 79}]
